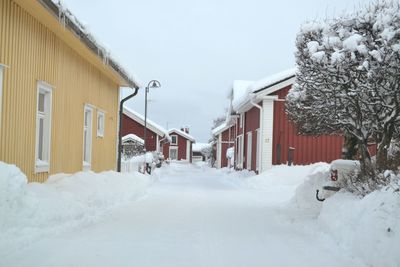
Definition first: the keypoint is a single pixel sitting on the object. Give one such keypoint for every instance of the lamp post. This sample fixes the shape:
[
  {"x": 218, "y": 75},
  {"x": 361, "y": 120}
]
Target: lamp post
[{"x": 151, "y": 84}]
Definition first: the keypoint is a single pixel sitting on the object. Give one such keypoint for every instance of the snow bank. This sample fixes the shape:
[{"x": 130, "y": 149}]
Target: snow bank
[
  {"x": 278, "y": 184},
  {"x": 28, "y": 211},
  {"x": 367, "y": 228},
  {"x": 133, "y": 164}
]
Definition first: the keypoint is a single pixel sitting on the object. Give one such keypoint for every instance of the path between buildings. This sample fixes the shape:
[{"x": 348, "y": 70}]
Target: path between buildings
[{"x": 191, "y": 217}]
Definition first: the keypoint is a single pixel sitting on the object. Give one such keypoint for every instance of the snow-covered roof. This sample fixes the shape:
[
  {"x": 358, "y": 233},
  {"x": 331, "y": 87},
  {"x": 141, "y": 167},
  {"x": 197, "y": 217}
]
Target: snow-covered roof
[
  {"x": 198, "y": 147},
  {"x": 271, "y": 83},
  {"x": 182, "y": 133},
  {"x": 240, "y": 91},
  {"x": 220, "y": 128},
  {"x": 132, "y": 137},
  {"x": 272, "y": 80},
  {"x": 150, "y": 124},
  {"x": 68, "y": 20}
]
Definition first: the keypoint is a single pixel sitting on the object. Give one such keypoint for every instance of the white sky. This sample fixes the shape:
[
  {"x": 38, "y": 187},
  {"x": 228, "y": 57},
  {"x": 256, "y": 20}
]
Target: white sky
[{"x": 197, "y": 48}]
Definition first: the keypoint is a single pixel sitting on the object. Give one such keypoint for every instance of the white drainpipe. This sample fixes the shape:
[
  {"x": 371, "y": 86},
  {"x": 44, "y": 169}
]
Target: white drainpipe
[{"x": 260, "y": 132}]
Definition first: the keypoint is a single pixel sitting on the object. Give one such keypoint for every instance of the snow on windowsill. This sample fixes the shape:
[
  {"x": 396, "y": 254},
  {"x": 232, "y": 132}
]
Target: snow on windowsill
[{"x": 42, "y": 166}]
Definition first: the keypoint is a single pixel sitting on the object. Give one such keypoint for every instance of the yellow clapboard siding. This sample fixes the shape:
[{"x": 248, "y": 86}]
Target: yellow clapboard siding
[{"x": 34, "y": 53}]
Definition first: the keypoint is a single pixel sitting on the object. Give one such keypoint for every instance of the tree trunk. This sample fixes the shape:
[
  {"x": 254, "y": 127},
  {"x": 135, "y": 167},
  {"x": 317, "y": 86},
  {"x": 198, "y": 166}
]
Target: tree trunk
[
  {"x": 382, "y": 162},
  {"x": 367, "y": 169},
  {"x": 350, "y": 146}
]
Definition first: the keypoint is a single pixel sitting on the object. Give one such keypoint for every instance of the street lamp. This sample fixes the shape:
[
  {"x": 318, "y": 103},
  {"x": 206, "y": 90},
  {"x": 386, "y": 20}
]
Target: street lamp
[{"x": 151, "y": 84}]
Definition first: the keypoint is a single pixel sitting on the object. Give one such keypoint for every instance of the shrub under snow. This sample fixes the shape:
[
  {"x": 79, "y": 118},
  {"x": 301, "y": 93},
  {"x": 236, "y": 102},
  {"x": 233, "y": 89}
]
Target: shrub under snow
[
  {"x": 365, "y": 227},
  {"x": 28, "y": 211}
]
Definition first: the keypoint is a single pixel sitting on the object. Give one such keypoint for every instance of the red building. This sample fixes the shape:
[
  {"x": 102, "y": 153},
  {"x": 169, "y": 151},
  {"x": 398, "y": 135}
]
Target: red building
[
  {"x": 133, "y": 123},
  {"x": 225, "y": 136},
  {"x": 264, "y": 134},
  {"x": 180, "y": 147}
]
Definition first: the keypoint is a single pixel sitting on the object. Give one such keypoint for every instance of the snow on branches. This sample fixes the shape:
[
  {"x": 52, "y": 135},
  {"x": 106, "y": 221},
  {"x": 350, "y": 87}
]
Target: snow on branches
[{"x": 348, "y": 78}]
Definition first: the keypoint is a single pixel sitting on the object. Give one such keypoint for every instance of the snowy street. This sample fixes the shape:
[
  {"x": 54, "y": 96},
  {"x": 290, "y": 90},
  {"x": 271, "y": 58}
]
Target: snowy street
[{"x": 192, "y": 216}]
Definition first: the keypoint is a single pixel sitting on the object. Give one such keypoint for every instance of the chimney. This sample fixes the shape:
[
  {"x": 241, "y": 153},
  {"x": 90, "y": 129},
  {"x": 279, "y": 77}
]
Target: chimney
[{"x": 185, "y": 129}]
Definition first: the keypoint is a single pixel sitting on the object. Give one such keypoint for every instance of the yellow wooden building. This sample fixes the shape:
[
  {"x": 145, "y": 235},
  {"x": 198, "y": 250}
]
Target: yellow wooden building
[{"x": 59, "y": 92}]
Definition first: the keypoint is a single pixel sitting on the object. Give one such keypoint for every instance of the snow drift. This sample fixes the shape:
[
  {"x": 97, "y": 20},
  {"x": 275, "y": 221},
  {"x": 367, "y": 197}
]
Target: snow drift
[
  {"x": 367, "y": 228},
  {"x": 28, "y": 211}
]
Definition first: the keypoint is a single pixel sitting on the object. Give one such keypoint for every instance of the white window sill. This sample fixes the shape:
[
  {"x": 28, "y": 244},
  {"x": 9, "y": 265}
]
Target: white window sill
[
  {"x": 86, "y": 166},
  {"x": 100, "y": 135},
  {"x": 42, "y": 166}
]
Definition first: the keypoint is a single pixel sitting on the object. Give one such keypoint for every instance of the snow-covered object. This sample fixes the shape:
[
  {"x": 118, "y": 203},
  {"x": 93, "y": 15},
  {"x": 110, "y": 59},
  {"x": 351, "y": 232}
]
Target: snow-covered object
[
  {"x": 28, "y": 211},
  {"x": 230, "y": 152},
  {"x": 149, "y": 157},
  {"x": 230, "y": 155},
  {"x": 132, "y": 137}
]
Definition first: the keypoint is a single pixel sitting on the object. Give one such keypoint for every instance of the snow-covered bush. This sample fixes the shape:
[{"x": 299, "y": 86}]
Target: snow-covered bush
[{"x": 348, "y": 79}]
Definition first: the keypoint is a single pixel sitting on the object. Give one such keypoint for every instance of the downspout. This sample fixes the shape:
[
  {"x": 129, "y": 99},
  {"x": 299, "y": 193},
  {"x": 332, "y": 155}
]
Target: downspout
[
  {"x": 260, "y": 133},
  {"x": 121, "y": 110}
]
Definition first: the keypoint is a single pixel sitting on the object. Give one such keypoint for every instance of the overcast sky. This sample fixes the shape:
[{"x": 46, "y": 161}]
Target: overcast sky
[{"x": 197, "y": 48}]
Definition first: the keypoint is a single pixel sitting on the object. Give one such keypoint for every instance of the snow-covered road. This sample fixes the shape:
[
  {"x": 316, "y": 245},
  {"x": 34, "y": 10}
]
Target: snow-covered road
[{"x": 191, "y": 217}]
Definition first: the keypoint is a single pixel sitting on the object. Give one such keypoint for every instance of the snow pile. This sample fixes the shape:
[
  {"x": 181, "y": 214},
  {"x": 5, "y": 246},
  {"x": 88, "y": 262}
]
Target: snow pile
[
  {"x": 367, "y": 228},
  {"x": 28, "y": 211},
  {"x": 133, "y": 164}
]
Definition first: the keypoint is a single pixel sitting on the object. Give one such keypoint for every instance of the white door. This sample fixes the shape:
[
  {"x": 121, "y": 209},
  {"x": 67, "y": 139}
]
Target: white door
[
  {"x": 249, "y": 152},
  {"x": 173, "y": 153},
  {"x": 87, "y": 138}
]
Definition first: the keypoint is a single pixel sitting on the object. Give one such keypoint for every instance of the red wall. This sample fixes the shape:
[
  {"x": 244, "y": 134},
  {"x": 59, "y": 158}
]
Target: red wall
[
  {"x": 224, "y": 146},
  {"x": 130, "y": 126},
  {"x": 252, "y": 123},
  {"x": 182, "y": 141},
  {"x": 308, "y": 149}
]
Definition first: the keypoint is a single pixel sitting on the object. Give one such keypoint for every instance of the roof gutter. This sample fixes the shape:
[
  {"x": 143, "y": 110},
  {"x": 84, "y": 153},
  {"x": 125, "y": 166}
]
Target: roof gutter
[{"x": 121, "y": 110}]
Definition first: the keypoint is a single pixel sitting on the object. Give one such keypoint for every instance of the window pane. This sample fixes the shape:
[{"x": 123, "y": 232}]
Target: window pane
[
  {"x": 41, "y": 137},
  {"x": 41, "y": 102},
  {"x": 86, "y": 117}
]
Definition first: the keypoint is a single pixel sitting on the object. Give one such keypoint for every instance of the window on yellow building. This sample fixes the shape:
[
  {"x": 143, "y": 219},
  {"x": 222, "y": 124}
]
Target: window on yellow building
[
  {"x": 100, "y": 123},
  {"x": 43, "y": 127}
]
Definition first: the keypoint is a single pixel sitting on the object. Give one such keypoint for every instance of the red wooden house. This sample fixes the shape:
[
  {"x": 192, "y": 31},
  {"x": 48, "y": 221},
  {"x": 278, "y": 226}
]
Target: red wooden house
[
  {"x": 225, "y": 136},
  {"x": 180, "y": 147},
  {"x": 264, "y": 134},
  {"x": 133, "y": 123}
]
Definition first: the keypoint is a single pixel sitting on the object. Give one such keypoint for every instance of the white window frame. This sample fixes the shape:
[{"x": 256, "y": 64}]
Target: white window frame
[
  {"x": 249, "y": 150},
  {"x": 173, "y": 148},
  {"x": 241, "y": 117},
  {"x": 87, "y": 162},
  {"x": 240, "y": 143},
  {"x": 43, "y": 165},
  {"x": 176, "y": 139},
  {"x": 101, "y": 120}
]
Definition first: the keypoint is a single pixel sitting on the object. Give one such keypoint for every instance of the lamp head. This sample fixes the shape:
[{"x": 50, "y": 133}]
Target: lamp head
[{"x": 154, "y": 84}]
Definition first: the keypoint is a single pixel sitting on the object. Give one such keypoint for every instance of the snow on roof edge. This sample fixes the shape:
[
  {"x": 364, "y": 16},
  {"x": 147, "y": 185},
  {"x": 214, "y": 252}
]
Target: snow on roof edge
[
  {"x": 151, "y": 124},
  {"x": 186, "y": 135},
  {"x": 69, "y": 20}
]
